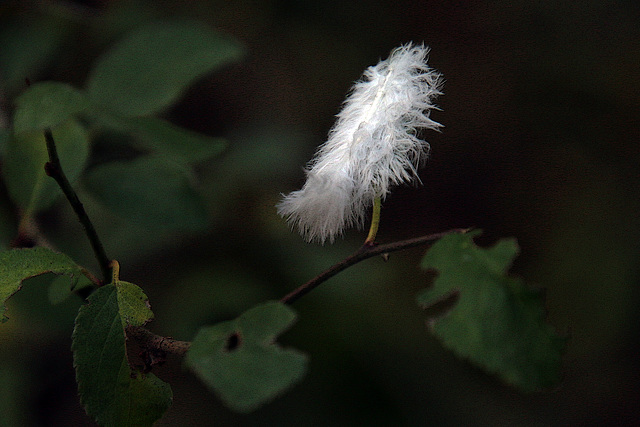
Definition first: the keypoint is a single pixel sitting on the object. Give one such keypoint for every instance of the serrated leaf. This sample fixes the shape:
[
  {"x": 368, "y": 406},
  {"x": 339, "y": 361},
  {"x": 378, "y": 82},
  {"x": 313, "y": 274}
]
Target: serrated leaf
[
  {"x": 149, "y": 191},
  {"x": 46, "y": 105},
  {"x": 112, "y": 392},
  {"x": 240, "y": 360},
  {"x": 152, "y": 66},
  {"x": 497, "y": 322},
  {"x": 173, "y": 141},
  {"x": 24, "y": 161},
  {"x": 18, "y": 265}
]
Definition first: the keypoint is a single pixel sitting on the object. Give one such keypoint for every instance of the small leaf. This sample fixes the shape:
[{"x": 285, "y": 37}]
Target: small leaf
[
  {"x": 150, "y": 68},
  {"x": 26, "y": 155},
  {"x": 173, "y": 141},
  {"x": 113, "y": 393},
  {"x": 496, "y": 322},
  {"x": 18, "y": 265},
  {"x": 149, "y": 191},
  {"x": 46, "y": 105},
  {"x": 241, "y": 362}
]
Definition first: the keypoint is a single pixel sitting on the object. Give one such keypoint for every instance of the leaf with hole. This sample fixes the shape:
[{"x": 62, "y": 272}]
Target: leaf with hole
[
  {"x": 151, "y": 67},
  {"x": 17, "y": 265},
  {"x": 240, "y": 361},
  {"x": 496, "y": 321}
]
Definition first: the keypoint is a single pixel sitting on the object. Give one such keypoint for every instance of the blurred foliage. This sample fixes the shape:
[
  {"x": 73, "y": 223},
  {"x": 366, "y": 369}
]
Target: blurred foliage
[
  {"x": 541, "y": 142},
  {"x": 23, "y": 168}
]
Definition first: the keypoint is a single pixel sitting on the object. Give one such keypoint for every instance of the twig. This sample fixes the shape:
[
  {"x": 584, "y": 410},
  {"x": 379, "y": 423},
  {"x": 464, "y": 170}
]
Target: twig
[
  {"x": 148, "y": 339},
  {"x": 53, "y": 168},
  {"x": 366, "y": 251}
]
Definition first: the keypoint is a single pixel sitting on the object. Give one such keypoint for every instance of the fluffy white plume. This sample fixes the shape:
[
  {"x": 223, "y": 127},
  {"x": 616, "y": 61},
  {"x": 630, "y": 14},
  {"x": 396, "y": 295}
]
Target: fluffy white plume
[{"x": 372, "y": 146}]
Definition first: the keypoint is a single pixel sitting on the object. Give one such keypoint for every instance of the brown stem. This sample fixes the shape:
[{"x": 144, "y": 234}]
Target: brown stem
[
  {"x": 366, "y": 251},
  {"x": 54, "y": 169},
  {"x": 148, "y": 339}
]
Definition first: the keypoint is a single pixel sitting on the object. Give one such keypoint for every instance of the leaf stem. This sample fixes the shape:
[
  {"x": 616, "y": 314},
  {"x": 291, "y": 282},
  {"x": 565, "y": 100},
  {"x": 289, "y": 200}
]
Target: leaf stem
[
  {"x": 53, "y": 168},
  {"x": 375, "y": 222},
  {"x": 366, "y": 251}
]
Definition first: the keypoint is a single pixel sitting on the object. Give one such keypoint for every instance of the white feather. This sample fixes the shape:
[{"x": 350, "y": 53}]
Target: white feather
[{"x": 372, "y": 147}]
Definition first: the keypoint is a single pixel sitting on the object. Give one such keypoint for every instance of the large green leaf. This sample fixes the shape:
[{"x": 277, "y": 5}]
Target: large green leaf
[
  {"x": 112, "y": 392},
  {"x": 497, "y": 322},
  {"x": 149, "y": 69},
  {"x": 46, "y": 105},
  {"x": 18, "y": 265},
  {"x": 173, "y": 141},
  {"x": 149, "y": 191},
  {"x": 241, "y": 362},
  {"x": 26, "y": 156}
]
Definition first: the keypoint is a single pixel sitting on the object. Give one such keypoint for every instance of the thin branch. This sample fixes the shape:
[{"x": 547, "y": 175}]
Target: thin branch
[
  {"x": 54, "y": 169},
  {"x": 148, "y": 339},
  {"x": 366, "y": 251}
]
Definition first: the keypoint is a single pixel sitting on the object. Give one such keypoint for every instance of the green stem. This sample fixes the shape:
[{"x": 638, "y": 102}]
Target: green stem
[
  {"x": 375, "y": 222},
  {"x": 54, "y": 169}
]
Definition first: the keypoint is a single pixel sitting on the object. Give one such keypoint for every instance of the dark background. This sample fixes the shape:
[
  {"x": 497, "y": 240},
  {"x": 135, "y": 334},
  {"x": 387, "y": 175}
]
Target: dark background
[{"x": 541, "y": 142}]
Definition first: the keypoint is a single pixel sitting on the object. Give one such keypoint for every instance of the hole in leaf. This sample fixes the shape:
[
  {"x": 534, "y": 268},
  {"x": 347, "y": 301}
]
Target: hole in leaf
[
  {"x": 233, "y": 342},
  {"x": 440, "y": 308}
]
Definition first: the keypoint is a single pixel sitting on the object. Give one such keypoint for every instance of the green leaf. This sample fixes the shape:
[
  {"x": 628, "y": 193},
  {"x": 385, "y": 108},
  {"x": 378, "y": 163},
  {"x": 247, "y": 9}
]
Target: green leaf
[
  {"x": 26, "y": 156},
  {"x": 149, "y": 191},
  {"x": 113, "y": 393},
  {"x": 46, "y": 105},
  {"x": 18, "y": 265},
  {"x": 497, "y": 322},
  {"x": 240, "y": 360},
  {"x": 151, "y": 67},
  {"x": 28, "y": 45},
  {"x": 61, "y": 288},
  {"x": 173, "y": 141}
]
